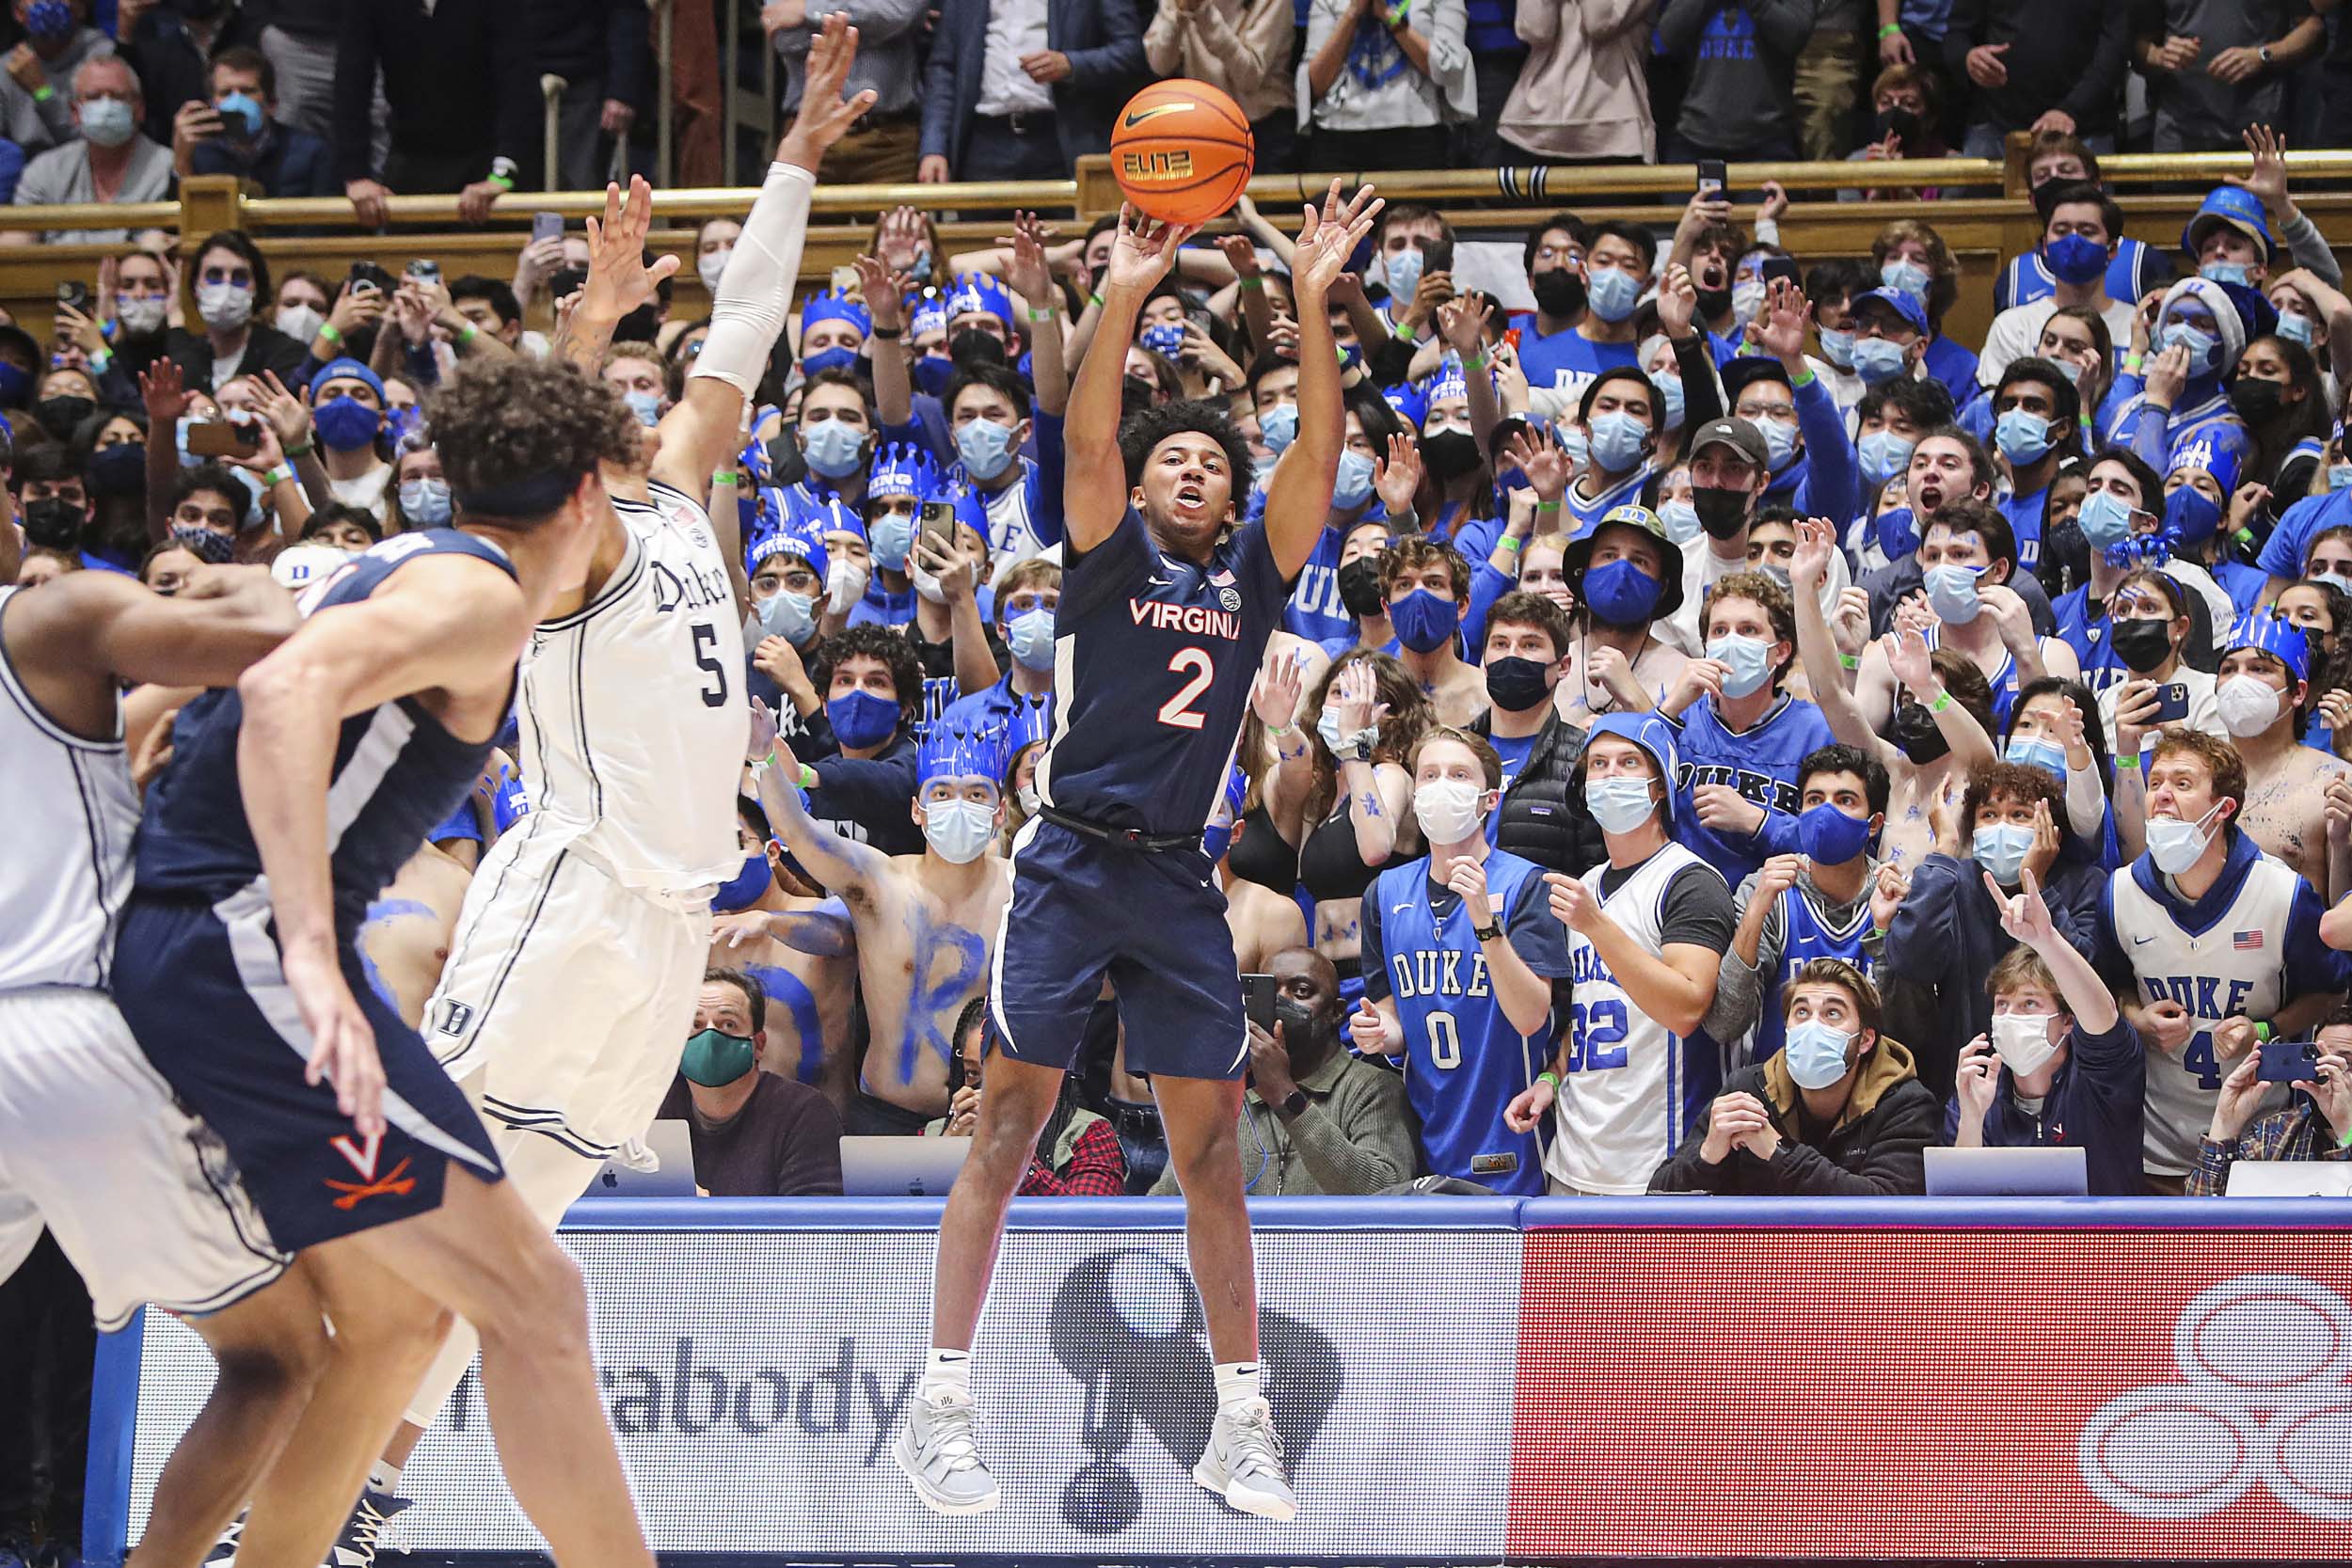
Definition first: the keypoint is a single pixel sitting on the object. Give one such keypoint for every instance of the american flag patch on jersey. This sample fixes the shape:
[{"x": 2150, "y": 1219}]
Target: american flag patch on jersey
[
  {"x": 1221, "y": 578},
  {"x": 2246, "y": 941}
]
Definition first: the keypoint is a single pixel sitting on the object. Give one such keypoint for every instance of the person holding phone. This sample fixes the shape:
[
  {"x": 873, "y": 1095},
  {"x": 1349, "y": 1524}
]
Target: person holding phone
[
  {"x": 2263, "y": 690},
  {"x": 235, "y": 130},
  {"x": 1077, "y": 1152},
  {"x": 2315, "y": 1124},
  {"x": 2147, "y": 625}
]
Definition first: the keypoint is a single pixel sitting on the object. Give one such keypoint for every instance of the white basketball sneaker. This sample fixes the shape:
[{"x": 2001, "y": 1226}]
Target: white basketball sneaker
[
  {"x": 937, "y": 1452},
  {"x": 1243, "y": 1463}
]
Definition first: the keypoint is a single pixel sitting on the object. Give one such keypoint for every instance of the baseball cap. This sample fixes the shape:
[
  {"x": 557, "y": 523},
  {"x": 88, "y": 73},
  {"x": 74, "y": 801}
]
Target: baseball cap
[
  {"x": 1906, "y": 306},
  {"x": 2240, "y": 209},
  {"x": 1737, "y": 433}
]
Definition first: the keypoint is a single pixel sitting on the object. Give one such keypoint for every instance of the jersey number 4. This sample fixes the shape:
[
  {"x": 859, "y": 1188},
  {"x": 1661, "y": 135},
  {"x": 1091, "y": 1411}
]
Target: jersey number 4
[
  {"x": 705, "y": 640},
  {"x": 1178, "y": 710}
]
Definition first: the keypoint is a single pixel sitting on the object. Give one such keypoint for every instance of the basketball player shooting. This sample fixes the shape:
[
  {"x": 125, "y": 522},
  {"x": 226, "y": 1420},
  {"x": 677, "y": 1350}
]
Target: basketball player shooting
[{"x": 1166, "y": 606}]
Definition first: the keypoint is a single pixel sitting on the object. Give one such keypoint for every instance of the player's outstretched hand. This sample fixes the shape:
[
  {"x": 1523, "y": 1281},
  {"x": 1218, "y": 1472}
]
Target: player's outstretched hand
[
  {"x": 1328, "y": 237},
  {"x": 343, "y": 1045},
  {"x": 1142, "y": 250},
  {"x": 618, "y": 278}
]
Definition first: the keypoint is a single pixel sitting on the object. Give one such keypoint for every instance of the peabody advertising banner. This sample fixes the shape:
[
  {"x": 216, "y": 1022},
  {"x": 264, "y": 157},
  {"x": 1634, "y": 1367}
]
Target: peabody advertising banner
[
  {"x": 755, "y": 1378},
  {"x": 1954, "y": 1393}
]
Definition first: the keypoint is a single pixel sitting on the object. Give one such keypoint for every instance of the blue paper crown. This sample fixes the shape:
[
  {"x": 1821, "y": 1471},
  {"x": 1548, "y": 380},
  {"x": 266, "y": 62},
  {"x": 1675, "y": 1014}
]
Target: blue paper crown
[
  {"x": 1447, "y": 383},
  {"x": 904, "y": 470},
  {"x": 832, "y": 306},
  {"x": 2219, "y": 449},
  {"x": 799, "y": 534},
  {"x": 1032, "y": 722},
  {"x": 978, "y": 292},
  {"x": 2281, "y": 640},
  {"x": 954, "y": 751},
  {"x": 1409, "y": 401},
  {"x": 925, "y": 312}
]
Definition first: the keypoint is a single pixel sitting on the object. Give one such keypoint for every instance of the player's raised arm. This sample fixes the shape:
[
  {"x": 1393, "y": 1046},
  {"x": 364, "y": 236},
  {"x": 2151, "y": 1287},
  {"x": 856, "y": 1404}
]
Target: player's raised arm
[
  {"x": 1094, "y": 486},
  {"x": 1299, "y": 497},
  {"x": 103, "y": 624}
]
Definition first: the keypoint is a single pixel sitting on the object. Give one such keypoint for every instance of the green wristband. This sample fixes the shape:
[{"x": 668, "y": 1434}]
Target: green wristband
[
  {"x": 303, "y": 450},
  {"x": 1547, "y": 1076},
  {"x": 1547, "y": 506},
  {"x": 1473, "y": 361},
  {"x": 1095, "y": 297},
  {"x": 1890, "y": 29},
  {"x": 1850, "y": 661},
  {"x": 43, "y": 93},
  {"x": 1250, "y": 282},
  {"x": 1942, "y": 701},
  {"x": 1510, "y": 542},
  {"x": 2127, "y": 759},
  {"x": 328, "y": 331}
]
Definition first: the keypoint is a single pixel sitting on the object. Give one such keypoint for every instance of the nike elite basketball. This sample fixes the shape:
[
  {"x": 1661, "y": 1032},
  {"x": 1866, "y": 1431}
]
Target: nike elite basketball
[{"x": 1182, "y": 150}]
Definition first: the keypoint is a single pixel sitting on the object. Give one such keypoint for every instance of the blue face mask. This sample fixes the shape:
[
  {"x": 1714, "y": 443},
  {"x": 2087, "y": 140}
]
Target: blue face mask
[
  {"x": 1815, "y": 1054},
  {"x": 1278, "y": 427},
  {"x": 1620, "y": 593},
  {"x": 835, "y": 447},
  {"x": 2074, "y": 259},
  {"x": 835, "y": 358},
  {"x": 1838, "y": 347},
  {"x": 1424, "y": 621},
  {"x": 1780, "y": 442},
  {"x": 1878, "y": 360},
  {"x": 646, "y": 405},
  {"x": 2227, "y": 272},
  {"x": 1906, "y": 277},
  {"x": 2203, "y": 346},
  {"x": 1576, "y": 444},
  {"x": 2068, "y": 368},
  {"x": 2192, "y": 514},
  {"x": 1681, "y": 519},
  {"x": 889, "y": 539},
  {"x": 1747, "y": 661},
  {"x": 345, "y": 424},
  {"x": 1612, "y": 292},
  {"x": 243, "y": 112},
  {"x": 2023, "y": 436},
  {"x": 2297, "y": 330},
  {"x": 1403, "y": 271},
  {"x": 1883, "y": 455},
  {"x": 1616, "y": 440},
  {"x": 1897, "y": 532},
  {"x": 1830, "y": 837},
  {"x": 741, "y": 891},
  {"x": 1952, "y": 594},
  {"x": 2029, "y": 752},
  {"x": 2105, "y": 519},
  {"x": 790, "y": 616},
  {"x": 933, "y": 372},
  {"x": 1619, "y": 805},
  {"x": 1031, "y": 636},
  {"x": 426, "y": 502},
  {"x": 861, "y": 719},
  {"x": 2001, "y": 849},
  {"x": 1161, "y": 338},
  {"x": 1669, "y": 389},
  {"x": 2339, "y": 476},
  {"x": 49, "y": 19},
  {"x": 986, "y": 447},
  {"x": 1352, "y": 485}
]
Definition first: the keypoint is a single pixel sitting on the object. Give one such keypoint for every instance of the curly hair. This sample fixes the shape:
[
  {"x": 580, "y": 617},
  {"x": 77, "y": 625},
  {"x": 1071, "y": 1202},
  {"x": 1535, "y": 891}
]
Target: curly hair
[
  {"x": 2223, "y": 763},
  {"x": 1767, "y": 596},
  {"x": 1415, "y": 551},
  {"x": 2023, "y": 782},
  {"x": 510, "y": 422},
  {"x": 1942, "y": 272},
  {"x": 875, "y": 642},
  {"x": 1144, "y": 430},
  {"x": 1409, "y": 714}
]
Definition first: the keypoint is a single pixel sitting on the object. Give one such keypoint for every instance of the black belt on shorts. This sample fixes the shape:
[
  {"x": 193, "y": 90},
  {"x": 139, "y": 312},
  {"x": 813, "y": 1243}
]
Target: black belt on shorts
[{"x": 1133, "y": 838}]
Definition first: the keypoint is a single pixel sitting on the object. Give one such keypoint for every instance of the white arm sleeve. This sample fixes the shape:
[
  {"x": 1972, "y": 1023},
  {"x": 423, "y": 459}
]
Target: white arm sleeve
[
  {"x": 2085, "y": 804},
  {"x": 747, "y": 314}
]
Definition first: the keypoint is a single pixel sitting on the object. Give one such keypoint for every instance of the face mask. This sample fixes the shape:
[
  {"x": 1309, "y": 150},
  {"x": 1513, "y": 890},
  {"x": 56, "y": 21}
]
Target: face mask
[
  {"x": 958, "y": 831},
  {"x": 426, "y": 502},
  {"x": 1900, "y": 124},
  {"x": 1749, "y": 662},
  {"x": 300, "y": 321},
  {"x": 54, "y": 523},
  {"x": 2105, "y": 519},
  {"x": 241, "y": 109},
  {"x": 835, "y": 358},
  {"x": 1402, "y": 269},
  {"x": 1301, "y": 1026},
  {"x": 1620, "y": 593},
  {"x": 2256, "y": 401},
  {"x": 835, "y": 447},
  {"x": 1619, "y": 805},
  {"x": 2297, "y": 329},
  {"x": 1352, "y": 488},
  {"x": 1681, "y": 519},
  {"x": 1838, "y": 347},
  {"x": 1722, "y": 513},
  {"x": 646, "y": 405},
  {"x": 1779, "y": 573},
  {"x": 2175, "y": 845},
  {"x": 860, "y": 718},
  {"x": 1816, "y": 1053},
  {"x": 1669, "y": 388},
  {"x": 845, "y": 584},
  {"x": 2001, "y": 849},
  {"x": 890, "y": 540},
  {"x": 1558, "y": 293},
  {"x": 713, "y": 1060},
  {"x": 2339, "y": 476},
  {"x": 1780, "y": 443},
  {"x": 1450, "y": 453},
  {"x": 216, "y": 548},
  {"x": 59, "y": 414},
  {"x": 2023, "y": 438},
  {"x": 1830, "y": 837},
  {"x": 1612, "y": 292},
  {"x": 2192, "y": 514},
  {"x": 2247, "y": 705},
  {"x": 2022, "y": 1040},
  {"x": 106, "y": 122},
  {"x": 790, "y": 616},
  {"x": 711, "y": 266},
  {"x": 1914, "y": 735},
  {"x": 2074, "y": 259},
  {"x": 1448, "y": 810},
  {"x": 933, "y": 372},
  {"x": 1907, "y": 278},
  {"x": 1360, "y": 586},
  {"x": 1746, "y": 300},
  {"x": 1163, "y": 337},
  {"x": 1952, "y": 594},
  {"x": 1617, "y": 439},
  {"x": 141, "y": 314},
  {"x": 224, "y": 307},
  {"x": 50, "y": 21},
  {"x": 2143, "y": 645},
  {"x": 1031, "y": 636},
  {"x": 1515, "y": 685},
  {"x": 2048, "y": 756},
  {"x": 1897, "y": 532},
  {"x": 120, "y": 469},
  {"x": 2227, "y": 272},
  {"x": 345, "y": 424},
  {"x": 1883, "y": 455},
  {"x": 1424, "y": 621},
  {"x": 1714, "y": 304},
  {"x": 744, "y": 889},
  {"x": 926, "y": 584},
  {"x": 2068, "y": 368},
  {"x": 1278, "y": 427},
  {"x": 1878, "y": 360},
  {"x": 1027, "y": 797},
  {"x": 2201, "y": 346}
]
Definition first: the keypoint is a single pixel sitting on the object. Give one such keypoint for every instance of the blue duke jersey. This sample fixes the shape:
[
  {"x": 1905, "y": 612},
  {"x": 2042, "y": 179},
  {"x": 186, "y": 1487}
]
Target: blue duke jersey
[
  {"x": 1762, "y": 763},
  {"x": 1153, "y": 661},
  {"x": 397, "y": 772},
  {"x": 1807, "y": 933}
]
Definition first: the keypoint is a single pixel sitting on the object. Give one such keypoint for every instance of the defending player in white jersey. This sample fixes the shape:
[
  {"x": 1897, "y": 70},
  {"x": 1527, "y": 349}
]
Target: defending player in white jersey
[
  {"x": 576, "y": 965},
  {"x": 139, "y": 1193},
  {"x": 1646, "y": 933}
]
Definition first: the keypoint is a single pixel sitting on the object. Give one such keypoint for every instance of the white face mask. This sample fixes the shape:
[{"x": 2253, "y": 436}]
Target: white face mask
[
  {"x": 2024, "y": 1040},
  {"x": 300, "y": 322},
  {"x": 845, "y": 584},
  {"x": 2249, "y": 706},
  {"x": 926, "y": 583},
  {"x": 1448, "y": 809},
  {"x": 959, "y": 831},
  {"x": 224, "y": 306},
  {"x": 712, "y": 265},
  {"x": 2174, "y": 844},
  {"x": 1026, "y": 795}
]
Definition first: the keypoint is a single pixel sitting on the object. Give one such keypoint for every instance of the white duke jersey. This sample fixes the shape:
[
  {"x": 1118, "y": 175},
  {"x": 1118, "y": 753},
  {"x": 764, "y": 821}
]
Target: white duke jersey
[
  {"x": 1620, "y": 1107},
  {"x": 71, "y": 815},
  {"x": 632, "y": 710}
]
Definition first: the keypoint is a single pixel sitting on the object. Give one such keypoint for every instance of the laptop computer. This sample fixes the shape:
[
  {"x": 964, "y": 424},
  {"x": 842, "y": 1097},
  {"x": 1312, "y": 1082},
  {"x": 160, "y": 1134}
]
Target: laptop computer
[
  {"x": 2028, "y": 1172},
  {"x": 2289, "y": 1178},
  {"x": 673, "y": 1143},
  {"x": 901, "y": 1166}
]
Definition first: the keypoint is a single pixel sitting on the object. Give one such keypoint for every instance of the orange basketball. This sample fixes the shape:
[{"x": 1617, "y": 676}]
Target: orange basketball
[{"x": 1182, "y": 150}]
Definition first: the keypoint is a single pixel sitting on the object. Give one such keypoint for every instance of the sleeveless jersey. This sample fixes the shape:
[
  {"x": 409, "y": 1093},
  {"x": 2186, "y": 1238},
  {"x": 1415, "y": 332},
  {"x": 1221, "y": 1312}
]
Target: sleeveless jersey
[
  {"x": 1586, "y": 515},
  {"x": 1463, "y": 1061},
  {"x": 71, "y": 811},
  {"x": 1154, "y": 656},
  {"x": 396, "y": 772},
  {"x": 1621, "y": 1108},
  {"x": 632, "y": 710},
  {"x": 2026, "y": 278},
  {"x": 2232, "y": 968},
  {"x": 1807, "y": 933}
]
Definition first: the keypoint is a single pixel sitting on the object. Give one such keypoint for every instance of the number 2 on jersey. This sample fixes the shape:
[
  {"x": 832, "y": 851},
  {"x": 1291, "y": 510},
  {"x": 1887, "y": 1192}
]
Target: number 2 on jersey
[{"x": 1178, "y": 710}]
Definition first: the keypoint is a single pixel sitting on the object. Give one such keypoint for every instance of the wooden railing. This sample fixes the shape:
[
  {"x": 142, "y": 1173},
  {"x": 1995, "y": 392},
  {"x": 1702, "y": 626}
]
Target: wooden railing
[{"x": 1992, "y": 222}]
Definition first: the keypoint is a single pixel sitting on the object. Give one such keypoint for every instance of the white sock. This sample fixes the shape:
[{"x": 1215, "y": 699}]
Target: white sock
[
  {"x": 948, "y": 1368},
  {"x": 384, "y": 1477},
  {"x": 1236, "y": 1381}
]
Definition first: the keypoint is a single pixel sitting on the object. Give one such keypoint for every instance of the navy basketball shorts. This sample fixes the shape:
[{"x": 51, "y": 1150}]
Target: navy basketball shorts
[
  {"x": 1083, "y": 908},
  {"x": 203, "y": 990}
]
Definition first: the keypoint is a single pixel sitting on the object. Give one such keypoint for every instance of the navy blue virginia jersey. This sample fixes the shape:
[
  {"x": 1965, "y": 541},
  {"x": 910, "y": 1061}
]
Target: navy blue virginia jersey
[
  {"x": 1154, "y": 657},
  {"x": 397, "y": 772}
]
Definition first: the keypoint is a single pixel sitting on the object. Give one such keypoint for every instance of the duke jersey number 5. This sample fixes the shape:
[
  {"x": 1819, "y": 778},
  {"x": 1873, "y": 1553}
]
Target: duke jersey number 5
[{"x": 705, "y": 656}]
